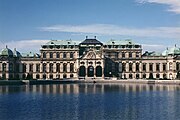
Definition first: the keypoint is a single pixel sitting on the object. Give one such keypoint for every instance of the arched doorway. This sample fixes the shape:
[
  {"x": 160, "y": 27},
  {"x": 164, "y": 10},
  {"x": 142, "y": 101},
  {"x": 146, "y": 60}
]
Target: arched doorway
[
  {"x": 82, "y": 71},
  {"x": 151, "y": 76},
  {"x": 98, "y": 71},
  {"x": 90, "y": 71}
]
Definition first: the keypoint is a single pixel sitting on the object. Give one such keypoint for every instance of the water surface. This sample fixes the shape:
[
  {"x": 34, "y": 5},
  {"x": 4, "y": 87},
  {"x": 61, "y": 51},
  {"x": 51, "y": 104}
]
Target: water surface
[{"x": 90, "y": 102}]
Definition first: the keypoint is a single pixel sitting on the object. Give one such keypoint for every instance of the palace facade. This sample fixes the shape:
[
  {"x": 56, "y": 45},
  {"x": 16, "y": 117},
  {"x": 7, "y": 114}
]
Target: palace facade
[{"x": 90, "y": 59}]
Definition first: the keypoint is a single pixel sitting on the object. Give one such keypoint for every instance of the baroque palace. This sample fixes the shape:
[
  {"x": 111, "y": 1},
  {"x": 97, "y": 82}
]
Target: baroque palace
[{"x": 90, "y": 59}]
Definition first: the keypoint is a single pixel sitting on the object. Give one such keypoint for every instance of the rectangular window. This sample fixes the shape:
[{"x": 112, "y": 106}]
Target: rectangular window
[
  {"x": 30, "y": 67},
  {"x": 64, "y": 55},
  {"x": 150, "y": 67},
  {"x": 71, "y": 55},
  {"x": 130, "y": 54},
  {"x": 144, "y": 67},
  {"x": 164, "y": 67},
  {"x": 137, "y": 67},
  {"x": 157, "y": 67},
  {"x": 37, "y": 67},
  {"x": 130, "y": 66}
]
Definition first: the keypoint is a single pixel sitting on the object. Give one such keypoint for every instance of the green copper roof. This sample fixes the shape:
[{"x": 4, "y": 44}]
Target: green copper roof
[
  {"x": 172, "y": 51},
  {"x": 62, "y": 42},
  {"x": 120, "y": 42},
  {"x": 6, "y": 52},
  {"x": 30, "y": 55}
]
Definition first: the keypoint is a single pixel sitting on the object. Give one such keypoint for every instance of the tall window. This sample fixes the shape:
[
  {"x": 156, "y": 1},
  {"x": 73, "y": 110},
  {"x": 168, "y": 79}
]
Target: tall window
[
  {"x": 57, "y": 67},
  {"x": 57, "y": 55},
  {"x": 64, "y": 55},
  {"x": 71, "y": 55},
  {"x": 130, "y": 54},
  {"x": 177, "y": 66},
  {"x": 30, "y": 67},
  {"x": 51, "y": 55},
  {"x": 71, "y": 67},
  {"x": 51, "y": 67},
  {"x": 64, "y": 67},
  {"x": 44, "y": 55},
  {"x": 137, "y": 66},
  {"x": 164, "y": 67},
  {"x": 157, "y": 67},
  {"x": 123, "y": 67},
  {"x": 151, "y": 67},
  {"x": 130, "y": 66},
  {"x": 44, "y": 67},
  {"x": 144, "y": 67},
  {"x": 37, "y": 67}
]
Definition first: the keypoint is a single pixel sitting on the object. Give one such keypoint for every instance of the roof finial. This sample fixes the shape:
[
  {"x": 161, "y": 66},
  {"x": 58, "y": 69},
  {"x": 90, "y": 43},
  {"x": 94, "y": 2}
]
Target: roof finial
[
  {"x": 94, "y": 37},
  {"x": 175, "y": 45},
  {"x": 86, "y": 37},
  {"x": 6, "y": 46}
]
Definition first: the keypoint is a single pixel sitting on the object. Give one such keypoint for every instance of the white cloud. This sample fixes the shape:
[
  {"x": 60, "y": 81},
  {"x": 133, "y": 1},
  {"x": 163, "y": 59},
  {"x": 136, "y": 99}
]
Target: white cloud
[
  {"x": 108, "y": 29},
  {"x": 174, "y": 5},
  {"x": 153, "y": 47},
  {"x": 24, "y": 45}
]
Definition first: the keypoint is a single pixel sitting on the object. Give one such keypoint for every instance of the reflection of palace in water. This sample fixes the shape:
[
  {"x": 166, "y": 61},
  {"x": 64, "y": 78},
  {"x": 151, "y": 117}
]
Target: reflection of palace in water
[
  {"x": 88, "y": 88},
  {"x": 67, "y": 59}
]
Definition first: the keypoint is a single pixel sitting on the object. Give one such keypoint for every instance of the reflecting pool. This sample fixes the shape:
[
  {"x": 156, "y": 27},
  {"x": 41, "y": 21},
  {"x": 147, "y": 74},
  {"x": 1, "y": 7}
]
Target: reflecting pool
[{"x": 90, "y": 102}]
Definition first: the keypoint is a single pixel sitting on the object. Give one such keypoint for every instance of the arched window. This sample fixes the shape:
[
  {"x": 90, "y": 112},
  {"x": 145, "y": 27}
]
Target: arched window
[
  {"x": 130, "y": 66},
  {"x": 58, "y": 67},
  {"x": 51, "y": 67},
  {"x": 44, "y": 67},
  {"x": 137, "y": 67},
  {"x": 51, "y": 55},
  {"x": 71, "y": 67},
  {"x": 64, "y": 67},
  {"x": 44, "y": 55}
]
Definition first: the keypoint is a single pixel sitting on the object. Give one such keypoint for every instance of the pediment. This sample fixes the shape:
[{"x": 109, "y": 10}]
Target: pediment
[{"x": 91, "y": 55}]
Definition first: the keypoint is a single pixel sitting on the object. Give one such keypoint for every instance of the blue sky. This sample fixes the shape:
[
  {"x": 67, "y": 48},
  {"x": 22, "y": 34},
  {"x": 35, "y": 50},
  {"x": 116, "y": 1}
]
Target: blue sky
[{"x": 26, "y": 24}]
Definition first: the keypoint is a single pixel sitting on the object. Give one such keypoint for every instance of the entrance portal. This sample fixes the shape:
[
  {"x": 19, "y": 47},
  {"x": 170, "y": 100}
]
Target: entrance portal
[
  {"x": 98, "y": 71},
  {"x": 90, "y": 71},
  {"x": 82, "y": 71}
]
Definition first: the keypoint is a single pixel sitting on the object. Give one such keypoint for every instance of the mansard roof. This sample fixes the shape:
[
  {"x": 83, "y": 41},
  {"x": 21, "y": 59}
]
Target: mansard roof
[
  {"x": 120, "y": 42},
  {"x": 62, "y": 42},
  {"x": 91, "y": 41},
  {"x": 30, "y": 55}
]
